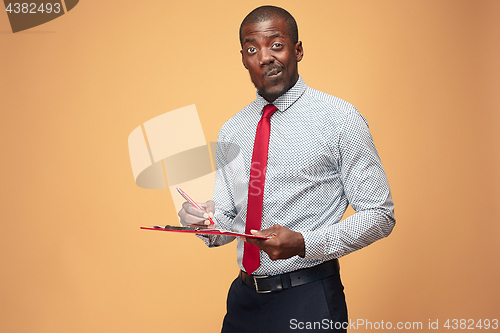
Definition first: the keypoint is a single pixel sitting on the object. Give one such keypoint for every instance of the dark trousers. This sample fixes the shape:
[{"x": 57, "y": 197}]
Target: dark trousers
[{"x": 314, "y": 307}]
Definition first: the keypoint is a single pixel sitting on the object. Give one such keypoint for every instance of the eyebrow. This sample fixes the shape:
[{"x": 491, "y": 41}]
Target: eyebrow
[
  {"x": 274, "y": 35},
  {"x": 250, "y": 40}
]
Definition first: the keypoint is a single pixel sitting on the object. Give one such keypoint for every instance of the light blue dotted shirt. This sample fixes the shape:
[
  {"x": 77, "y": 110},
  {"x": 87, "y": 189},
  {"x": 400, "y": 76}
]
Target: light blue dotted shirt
[{"x": 321, "y": 158}]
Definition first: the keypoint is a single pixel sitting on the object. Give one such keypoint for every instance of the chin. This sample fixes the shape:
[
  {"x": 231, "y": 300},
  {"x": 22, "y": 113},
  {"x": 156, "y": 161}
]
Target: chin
[{"x": 274, "y": 92}]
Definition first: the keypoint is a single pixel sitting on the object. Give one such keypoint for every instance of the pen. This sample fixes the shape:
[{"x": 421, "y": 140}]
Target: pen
[{"x": 185, "y": 196}]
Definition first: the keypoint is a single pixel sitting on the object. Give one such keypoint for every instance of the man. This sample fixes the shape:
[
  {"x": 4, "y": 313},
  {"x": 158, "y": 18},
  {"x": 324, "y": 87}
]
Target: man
[{"x": 289, "y": 164}]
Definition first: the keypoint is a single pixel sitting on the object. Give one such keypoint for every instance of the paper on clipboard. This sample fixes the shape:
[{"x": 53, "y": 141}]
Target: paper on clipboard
[{"x": 203, "y": 231}]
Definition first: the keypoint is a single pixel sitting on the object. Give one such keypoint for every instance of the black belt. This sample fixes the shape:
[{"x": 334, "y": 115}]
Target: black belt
[{"x": 267, "y": 284}]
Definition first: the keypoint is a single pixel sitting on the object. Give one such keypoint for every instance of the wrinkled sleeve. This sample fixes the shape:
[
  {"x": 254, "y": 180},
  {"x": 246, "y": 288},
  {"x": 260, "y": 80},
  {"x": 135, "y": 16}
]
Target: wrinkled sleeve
[{"x": 367, "y": 191}]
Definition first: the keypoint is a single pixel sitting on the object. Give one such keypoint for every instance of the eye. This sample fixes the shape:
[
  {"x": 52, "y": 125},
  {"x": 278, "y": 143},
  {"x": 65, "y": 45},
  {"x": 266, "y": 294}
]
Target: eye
[
  {"x": 277, "y": 46},
  {"x": 251, "y": 50}
]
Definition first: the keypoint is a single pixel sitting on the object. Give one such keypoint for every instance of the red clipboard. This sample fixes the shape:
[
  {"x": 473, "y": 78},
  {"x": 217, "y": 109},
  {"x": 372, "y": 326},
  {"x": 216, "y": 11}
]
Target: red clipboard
[{"x": 202, "y": 231}]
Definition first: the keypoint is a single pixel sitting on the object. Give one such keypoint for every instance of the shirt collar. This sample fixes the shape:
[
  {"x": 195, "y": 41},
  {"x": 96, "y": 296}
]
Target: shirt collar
[{"x": 287, "y": 99}]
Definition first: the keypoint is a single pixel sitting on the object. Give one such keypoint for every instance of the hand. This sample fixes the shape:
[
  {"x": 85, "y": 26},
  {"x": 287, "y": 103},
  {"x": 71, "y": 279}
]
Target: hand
[
  {"x": 190, "y": 216},
  {"x": 284, "y": 244}
]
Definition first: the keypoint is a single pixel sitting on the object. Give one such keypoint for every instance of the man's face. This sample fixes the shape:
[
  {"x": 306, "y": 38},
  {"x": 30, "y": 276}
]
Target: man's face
[{"x": 270, "y": 57}]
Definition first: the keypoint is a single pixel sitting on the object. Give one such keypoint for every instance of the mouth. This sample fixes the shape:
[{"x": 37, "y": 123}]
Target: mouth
[{"x": 273, "y": 72}]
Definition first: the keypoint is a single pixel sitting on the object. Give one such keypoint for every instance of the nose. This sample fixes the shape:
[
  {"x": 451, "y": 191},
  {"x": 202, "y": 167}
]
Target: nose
[{"x": 265, "y": 57}]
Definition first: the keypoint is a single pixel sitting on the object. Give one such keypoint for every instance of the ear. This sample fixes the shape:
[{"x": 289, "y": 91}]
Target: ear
[
  {"x": 243, "y": 59},
  {"x": 299, "y": 51}
]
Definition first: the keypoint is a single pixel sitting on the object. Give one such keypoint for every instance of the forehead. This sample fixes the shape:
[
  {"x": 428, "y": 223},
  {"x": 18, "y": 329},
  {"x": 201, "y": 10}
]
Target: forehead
[{"x": 265, "y": 28}]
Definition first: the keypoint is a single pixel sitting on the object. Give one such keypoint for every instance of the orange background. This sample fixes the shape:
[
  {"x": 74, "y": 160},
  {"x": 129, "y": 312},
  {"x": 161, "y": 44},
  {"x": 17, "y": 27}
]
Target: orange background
[{"x": 425, "y": 74}]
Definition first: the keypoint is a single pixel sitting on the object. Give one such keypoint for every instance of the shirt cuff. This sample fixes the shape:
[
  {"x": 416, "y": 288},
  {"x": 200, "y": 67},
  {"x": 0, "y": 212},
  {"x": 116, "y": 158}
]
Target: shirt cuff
[{"x": 315, "y": 244}]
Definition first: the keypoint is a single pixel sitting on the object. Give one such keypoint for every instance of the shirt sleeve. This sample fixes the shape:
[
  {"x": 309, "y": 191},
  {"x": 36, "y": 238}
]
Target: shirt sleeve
[
  {"x": 367, "y": 191},
  {"x": 225, "y": 210}
]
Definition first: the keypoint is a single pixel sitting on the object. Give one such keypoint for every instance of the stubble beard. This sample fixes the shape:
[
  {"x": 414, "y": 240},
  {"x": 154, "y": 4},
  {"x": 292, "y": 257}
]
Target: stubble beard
[{"x": 270, "y": 95}]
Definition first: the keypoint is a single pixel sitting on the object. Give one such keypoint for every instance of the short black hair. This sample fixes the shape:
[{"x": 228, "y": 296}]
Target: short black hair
[{"x": 265, "y": 13}]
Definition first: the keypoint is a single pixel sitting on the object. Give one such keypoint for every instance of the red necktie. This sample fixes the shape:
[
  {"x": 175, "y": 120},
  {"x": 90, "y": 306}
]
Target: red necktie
[{"x": 251, "y": 258}]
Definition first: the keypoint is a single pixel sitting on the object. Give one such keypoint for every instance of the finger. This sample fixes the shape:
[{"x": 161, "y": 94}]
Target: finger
[
  {"x": 208, "y": 207},
  {"x": 204, "y": 223},
  {"x": 265, "y": 232},
  {"x": 193, "y": 225},
  {"x": 192, "y": 210},
  {"x": 254, "y": 241},
  {"x": 191, "y": 219}
]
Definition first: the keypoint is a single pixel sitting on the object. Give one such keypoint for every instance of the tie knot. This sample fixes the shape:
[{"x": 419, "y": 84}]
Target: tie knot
[{"x": 268, "y": 110}]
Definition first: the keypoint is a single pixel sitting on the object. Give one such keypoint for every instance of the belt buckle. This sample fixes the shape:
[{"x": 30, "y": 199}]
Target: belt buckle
[{"x": 255, "y": 277}]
